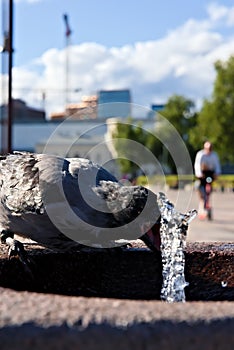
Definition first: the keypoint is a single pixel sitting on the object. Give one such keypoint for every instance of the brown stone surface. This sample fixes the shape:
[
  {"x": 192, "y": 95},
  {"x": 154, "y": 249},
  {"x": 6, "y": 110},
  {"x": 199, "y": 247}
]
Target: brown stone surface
[
  {"x": 101, "y": 315},
  {"x": 209, "y": 269},
  {"x": 37, "y": 321},
  {"x": 133, "y": 273}
]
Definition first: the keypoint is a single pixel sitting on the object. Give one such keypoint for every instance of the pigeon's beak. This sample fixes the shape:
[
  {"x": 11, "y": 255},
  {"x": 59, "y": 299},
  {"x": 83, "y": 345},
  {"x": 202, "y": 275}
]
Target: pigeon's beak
[{"x": 151, "y": 236}]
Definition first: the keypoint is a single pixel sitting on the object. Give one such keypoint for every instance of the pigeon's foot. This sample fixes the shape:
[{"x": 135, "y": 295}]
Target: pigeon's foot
[{"x": 16, "y": 250}]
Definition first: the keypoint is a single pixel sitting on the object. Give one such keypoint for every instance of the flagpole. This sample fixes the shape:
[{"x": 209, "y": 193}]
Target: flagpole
[{"x": 67, "y": 63}]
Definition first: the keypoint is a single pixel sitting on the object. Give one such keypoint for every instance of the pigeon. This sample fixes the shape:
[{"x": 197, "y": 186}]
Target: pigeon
[{"x": 71, "y": 203}]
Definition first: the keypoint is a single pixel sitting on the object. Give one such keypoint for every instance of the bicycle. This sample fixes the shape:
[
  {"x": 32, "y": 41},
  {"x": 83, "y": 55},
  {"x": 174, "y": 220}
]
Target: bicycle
[{"x": 205, "y": 189}]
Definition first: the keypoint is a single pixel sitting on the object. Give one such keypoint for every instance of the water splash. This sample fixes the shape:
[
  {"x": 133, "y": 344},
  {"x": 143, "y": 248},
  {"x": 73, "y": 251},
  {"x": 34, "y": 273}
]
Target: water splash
[
  {"x": 224, "y": 284},
  {"x": 174, "y": 226}
]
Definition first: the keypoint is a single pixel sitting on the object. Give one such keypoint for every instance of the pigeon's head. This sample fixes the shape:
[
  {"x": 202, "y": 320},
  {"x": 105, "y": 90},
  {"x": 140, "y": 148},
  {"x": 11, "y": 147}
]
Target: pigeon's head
[
  {"x": 170, "y": 223},
  {"x": 152, "y": 235},
  {"x": 143, "y": 209},
  {"x": 134, "y": 211},
  {"x": 137, "y": 212},
  {"x": 151, "y": 222}
]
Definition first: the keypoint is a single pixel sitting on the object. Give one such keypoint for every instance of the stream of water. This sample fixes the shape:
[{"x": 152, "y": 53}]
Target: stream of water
[{"x": 174, "y": 226}]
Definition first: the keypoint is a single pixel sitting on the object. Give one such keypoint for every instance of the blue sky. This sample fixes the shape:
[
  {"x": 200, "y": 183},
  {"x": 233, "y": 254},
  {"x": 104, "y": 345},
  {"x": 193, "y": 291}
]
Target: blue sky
[
  {"x": 107, "y": 22},
  {"x": 155, "y": 48}
]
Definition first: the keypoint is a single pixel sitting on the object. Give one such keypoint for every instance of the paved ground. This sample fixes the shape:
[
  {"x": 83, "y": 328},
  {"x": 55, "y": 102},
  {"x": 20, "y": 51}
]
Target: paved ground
[{"x": 222, "y": 226}]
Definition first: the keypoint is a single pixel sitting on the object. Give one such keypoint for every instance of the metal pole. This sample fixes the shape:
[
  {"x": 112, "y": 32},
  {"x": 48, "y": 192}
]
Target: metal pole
[
  {"x": 67, "y": 72},
  {"x": 10, "y": 64},
  {"x": 67, "y": 44}
]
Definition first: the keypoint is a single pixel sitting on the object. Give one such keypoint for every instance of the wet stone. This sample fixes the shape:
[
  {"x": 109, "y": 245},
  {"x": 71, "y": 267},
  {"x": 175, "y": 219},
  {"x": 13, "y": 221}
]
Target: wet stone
[{"x": 130, "y": 273}]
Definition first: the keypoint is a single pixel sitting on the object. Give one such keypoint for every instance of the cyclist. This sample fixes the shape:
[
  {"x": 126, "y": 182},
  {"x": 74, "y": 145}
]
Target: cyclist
[{"x": 207, "y": 166}]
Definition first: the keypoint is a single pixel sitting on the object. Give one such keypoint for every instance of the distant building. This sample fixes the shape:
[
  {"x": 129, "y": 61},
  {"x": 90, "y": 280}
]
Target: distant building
[
  {"x": 86, "y": 109},
  {"x": 23, "y": 113},
  {"x": 107, "y": 103},
  {"x": 114, "y": 103},
  {"x": 157, "y": 107},
  {"x": 26, "y": 136},
  {"x": 83, "y": 146}
]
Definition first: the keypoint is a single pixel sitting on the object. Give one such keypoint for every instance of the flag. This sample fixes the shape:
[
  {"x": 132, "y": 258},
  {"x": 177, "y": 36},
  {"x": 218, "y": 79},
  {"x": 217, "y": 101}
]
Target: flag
[{"x": 68, "y": 29}]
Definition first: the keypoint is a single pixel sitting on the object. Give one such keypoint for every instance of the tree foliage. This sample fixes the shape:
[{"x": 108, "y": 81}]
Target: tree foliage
[
  {"x": 180, "y": 112},
  {"x": 215, "y": 120},
  {"x": 126, "y": 151}
]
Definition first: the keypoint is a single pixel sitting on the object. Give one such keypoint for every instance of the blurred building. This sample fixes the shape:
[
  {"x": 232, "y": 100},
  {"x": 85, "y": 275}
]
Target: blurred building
[
  {"x": 155, "y": 108},
  {"x": 88, "y": 146},
  {"x": 86, "y": 109},
  {"x": 23, "y": 113},
  {"x": 107, "y": 103},
  {"x": 114, "y": 103},
  {"x": 82, "y": 130}
]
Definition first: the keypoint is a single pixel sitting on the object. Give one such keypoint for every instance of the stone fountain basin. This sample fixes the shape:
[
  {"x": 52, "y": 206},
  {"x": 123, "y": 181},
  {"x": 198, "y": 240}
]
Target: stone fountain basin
[
  {"x": 130, "y": 273},
  {"x": 102, "y": 299}
]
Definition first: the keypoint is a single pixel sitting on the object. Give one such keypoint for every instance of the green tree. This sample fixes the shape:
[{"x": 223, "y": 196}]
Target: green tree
[
  {"x": 180, "y": 112},
  {"x": 129, "y": 130},
  {"x": 215, "y": 120}
]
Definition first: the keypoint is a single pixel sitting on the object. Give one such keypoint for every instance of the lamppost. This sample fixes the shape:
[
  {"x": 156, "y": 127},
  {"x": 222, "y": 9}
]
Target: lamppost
[{"x": 8, "y": 48}]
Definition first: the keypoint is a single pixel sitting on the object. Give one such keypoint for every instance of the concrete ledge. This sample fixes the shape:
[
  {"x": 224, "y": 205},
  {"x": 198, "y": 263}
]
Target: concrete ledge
[
  {"x": 30, "y": 320},
  {"x": 129, "y": 273},
  {"x": 40, "y": 321}
]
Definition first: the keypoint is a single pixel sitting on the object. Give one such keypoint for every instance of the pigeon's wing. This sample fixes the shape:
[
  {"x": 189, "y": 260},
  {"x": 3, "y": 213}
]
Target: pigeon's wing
[
  {"x": 84, "y": 175},
  {"x": 19, "y": 183},
  {"x": 61, "y": 190},
  {"x": 25, "y": 179},
  {"x": 71, "y": 202}
]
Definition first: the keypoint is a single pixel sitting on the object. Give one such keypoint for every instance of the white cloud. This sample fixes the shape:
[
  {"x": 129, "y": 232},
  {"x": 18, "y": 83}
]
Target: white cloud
[
  {"x": 221, "y": 13},
  {"x": 181, "y": 62},
  {"x": 217, "y": 12}
]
